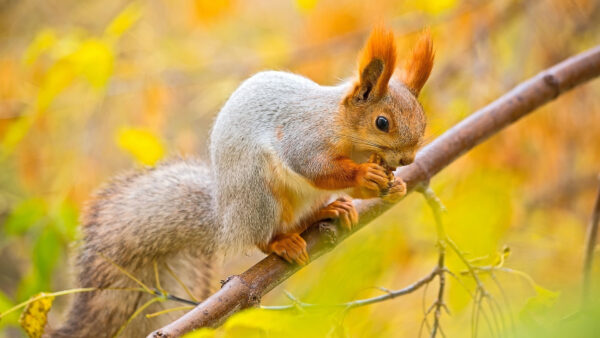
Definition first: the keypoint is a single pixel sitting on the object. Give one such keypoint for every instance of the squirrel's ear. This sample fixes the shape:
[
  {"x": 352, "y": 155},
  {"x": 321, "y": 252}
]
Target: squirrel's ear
[
  {"x": 418, "y": 66},
  {"x": 376, "y": 65}
]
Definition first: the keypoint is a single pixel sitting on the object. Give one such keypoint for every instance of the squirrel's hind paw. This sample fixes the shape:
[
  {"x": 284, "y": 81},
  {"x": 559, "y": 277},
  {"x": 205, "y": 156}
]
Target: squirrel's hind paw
[
  {"x": 343, "y": 210},
  {"x": 290, "y": 247}
]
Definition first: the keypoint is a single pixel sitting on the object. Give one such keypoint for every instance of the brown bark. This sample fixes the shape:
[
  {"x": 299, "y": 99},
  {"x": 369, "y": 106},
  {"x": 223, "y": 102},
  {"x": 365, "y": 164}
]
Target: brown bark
[{"x": 245, "y": 290}]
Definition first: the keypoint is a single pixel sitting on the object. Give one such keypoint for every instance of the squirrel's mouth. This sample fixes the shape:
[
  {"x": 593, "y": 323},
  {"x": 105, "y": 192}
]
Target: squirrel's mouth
[
  {"x": 389, "y": 167},
  {"x": 385, "y": 164}
]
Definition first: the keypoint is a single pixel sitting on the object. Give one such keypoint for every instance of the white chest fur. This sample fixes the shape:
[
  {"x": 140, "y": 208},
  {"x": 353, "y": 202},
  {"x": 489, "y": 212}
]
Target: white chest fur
[{"x": 298, "y": 198}]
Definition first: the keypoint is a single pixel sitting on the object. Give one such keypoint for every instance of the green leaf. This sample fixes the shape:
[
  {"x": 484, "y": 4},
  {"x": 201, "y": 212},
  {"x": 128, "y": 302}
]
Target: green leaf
[
  {"x": 66, "y": 220},
  {"x": 46, "y": 252},
  {"x": 5, "y": 304},
  {"x": 539, "y": 304},
  {"x": 25, "y": 215},
  {"x": 545, "y": 297}
]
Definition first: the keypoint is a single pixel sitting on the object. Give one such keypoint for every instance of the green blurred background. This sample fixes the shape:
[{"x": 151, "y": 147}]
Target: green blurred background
[{"x": 91, "y": 88}]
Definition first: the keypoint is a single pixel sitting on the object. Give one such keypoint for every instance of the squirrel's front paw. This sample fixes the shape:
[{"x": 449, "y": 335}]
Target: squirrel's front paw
[
  {"x": 372, "y": 179},
  {"x": 341, "y": 209},
  {"x": 290, "y": 247},
  {"x": 396, "y": 192}
]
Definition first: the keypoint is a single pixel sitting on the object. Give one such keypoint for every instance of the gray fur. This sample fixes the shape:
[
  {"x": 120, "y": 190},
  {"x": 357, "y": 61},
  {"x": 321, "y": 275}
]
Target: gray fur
[
  {"x": 162, "y": 214},
  {"x": 244, "y": 139}
]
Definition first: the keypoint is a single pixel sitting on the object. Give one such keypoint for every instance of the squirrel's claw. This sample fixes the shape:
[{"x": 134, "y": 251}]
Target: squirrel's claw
[
  {"x": 343, "y": 210},
  {"x": 290, "y": 247},
  {"x": 373, "y": 178},
  {"x": 396, "y": 192}
]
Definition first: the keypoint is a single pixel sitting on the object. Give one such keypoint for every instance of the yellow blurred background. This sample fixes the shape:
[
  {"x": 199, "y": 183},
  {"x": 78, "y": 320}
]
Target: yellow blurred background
[{"x": 91, "y": 88}]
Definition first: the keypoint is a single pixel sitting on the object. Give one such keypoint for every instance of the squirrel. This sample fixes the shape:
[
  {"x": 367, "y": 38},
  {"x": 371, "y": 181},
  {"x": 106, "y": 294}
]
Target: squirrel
[{"x": 285, "y": 153}]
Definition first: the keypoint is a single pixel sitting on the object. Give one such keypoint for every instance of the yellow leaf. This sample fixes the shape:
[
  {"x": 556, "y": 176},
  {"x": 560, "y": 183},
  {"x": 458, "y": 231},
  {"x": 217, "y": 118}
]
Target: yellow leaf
[
  {"x": 204, "y": 332},
  {"x": 261, "y": 320},
  {"x": 209, "y": 10},
  {"x": 144, "y": 145},
  {"x": 94, "y": 60},
  {"x": 43, "y": 41},
  {"x": 123, "y": 22},
  {"x": 34, "y": 317},
  {"x": 435, "y": 7},
  {"x": 15, "y": 133},
  {"x": 274, "y": 50},
  {"x": 538, "y": 305},
  {"x": 59, "y": 76},
  {"x": 544, "y": 296},
  {"x": 306, "y": 5}
]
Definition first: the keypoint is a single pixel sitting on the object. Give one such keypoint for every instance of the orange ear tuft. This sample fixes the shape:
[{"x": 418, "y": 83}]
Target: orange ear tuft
[
  {"x": 418, "y": 66},
  {"x": 381, "y": 50}
]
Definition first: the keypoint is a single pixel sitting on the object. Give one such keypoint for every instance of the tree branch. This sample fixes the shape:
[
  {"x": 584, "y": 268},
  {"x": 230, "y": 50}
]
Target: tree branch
[{"x": 245, "y": 290}]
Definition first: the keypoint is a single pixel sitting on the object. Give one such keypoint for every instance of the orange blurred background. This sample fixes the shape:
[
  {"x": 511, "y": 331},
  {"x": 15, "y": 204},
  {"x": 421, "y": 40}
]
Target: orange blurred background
[{"x": 91, "y": 88}]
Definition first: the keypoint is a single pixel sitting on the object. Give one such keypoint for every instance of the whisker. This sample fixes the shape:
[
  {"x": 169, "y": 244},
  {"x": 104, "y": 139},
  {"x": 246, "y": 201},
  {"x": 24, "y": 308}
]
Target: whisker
[{"x": 363, "y": 141}]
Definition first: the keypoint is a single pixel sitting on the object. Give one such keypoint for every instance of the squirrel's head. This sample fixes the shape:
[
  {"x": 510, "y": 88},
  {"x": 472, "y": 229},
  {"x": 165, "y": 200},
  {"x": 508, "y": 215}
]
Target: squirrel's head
[{"x": 381, "y": 113}]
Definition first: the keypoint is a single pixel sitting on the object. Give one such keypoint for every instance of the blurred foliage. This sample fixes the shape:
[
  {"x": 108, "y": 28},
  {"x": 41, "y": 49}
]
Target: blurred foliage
[{"x": 91, "y": 88}]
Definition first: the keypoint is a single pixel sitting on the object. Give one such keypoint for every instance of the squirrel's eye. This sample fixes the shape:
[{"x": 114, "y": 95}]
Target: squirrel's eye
[{"x": 382, "y": 123}]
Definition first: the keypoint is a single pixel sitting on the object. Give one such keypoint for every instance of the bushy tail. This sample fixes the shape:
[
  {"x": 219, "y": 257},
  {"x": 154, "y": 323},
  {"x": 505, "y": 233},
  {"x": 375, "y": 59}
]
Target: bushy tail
[{"x": 155, "y": 222}]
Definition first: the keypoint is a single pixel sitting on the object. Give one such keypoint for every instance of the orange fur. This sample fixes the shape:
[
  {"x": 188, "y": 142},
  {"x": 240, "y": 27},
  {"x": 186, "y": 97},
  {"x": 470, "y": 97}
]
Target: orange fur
[
  {"x": 342, "y": 175},
  {"x": 381, "y": 45},
  {"x": 287, "y": 201},
  {"x": 418, "y": 66}
]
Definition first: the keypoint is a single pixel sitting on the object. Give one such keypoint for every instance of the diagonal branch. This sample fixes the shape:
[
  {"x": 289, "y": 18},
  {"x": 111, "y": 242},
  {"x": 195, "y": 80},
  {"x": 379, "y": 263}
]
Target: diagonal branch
[{"x": 245, "y": 290}]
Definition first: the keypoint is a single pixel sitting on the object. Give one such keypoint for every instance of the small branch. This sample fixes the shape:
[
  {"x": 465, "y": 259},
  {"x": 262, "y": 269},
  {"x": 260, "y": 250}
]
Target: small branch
[
  {"x": 592, "y": 235},
  {"x": 245, "y": 290},
  {"x": 390, "y": 294},
  {"x": 438, "y": 208},
  {"x": 481, "y": 294},
  {"x": 169, "y": 296},
  {"x": 439, "y": 303}
]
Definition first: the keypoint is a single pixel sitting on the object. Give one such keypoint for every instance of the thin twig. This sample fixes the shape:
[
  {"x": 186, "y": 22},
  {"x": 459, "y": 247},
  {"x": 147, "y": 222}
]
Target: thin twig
[
  {"x": 592, "y": 235},
  {"x": 156, "y": 278},
  {"x": 169, "y": 296},
  {"x": 482, "y": 296},
  {"x": 357, "y": 303},
  {"x": 181, "y": 283},
  {"x": 506, "y": 302},
  {"x": 156, "y": 314},
  {"x": 425, "y": 321},
  {"x": 127, "y": 273},
  {"x": 136, "y": 313},
  {"x": 437, "y": 208}
]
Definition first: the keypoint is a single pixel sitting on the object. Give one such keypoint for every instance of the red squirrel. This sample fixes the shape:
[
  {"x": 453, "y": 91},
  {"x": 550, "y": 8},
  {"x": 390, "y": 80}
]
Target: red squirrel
[
  {"x": 285, "y": 152},
  {"x": 283, "y": 146}
]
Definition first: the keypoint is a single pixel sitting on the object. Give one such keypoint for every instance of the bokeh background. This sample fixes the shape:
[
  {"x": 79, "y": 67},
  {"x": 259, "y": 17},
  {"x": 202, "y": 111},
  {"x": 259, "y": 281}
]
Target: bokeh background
[{"x": 91, "y": 88}]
